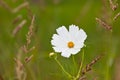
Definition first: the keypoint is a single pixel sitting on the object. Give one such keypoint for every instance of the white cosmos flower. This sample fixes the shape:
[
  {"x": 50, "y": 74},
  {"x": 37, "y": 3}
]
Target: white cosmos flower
[{"x": 68, "y": 42}]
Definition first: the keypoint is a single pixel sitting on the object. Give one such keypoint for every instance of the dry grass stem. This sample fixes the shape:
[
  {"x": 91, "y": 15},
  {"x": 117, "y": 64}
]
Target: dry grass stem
[
  {"x": 82, "y": 78},
  {"x": 5, "y": 5},
  {"x": 15, "y": 10},
  {"x": 32, "y": 48},
  {"x": 19, "y": 68},
  {"x": 30, "y": 32},
  {"x": 17, "y": 19},
  {"x": 27, "y": 59},
  {"x": 25, "y": 49},
  {"x": 19, "y": 27},
  {"x": 19, "y": 64},
  {"x": 112, "y": 5},
  {"x": 89, "y": 66},
  {"x": 28, "y": 41},
  {"x": 20, "y": 73},
  {"x": 116, "y": 16},
  {"x": 20, "y": 7},
  {"x": 104, "y": 24}
]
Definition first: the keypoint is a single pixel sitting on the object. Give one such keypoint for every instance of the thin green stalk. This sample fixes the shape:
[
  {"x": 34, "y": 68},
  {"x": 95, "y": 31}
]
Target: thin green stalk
[
  {"x": 78, "y": 75},
  {"x": 107, "y": 73},
  {"x": 108, "y": 70},
  {"x": 75, "y": 65},
  {"x": 63, "y": 68}
]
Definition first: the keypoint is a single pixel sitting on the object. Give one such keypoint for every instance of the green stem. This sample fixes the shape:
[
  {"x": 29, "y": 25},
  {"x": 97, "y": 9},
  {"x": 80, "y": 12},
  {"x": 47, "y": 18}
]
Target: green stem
[
  {"x": 78, "y": 75},
  {"x": 108, "y": 69},
  {"x": 107, "y": 73},
  {"x": 63, "y": 68},
  {"x": 73, "y": 58}
]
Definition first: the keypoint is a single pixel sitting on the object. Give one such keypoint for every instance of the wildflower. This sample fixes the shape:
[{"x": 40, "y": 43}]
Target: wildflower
[{"x": 68, "y": 42}]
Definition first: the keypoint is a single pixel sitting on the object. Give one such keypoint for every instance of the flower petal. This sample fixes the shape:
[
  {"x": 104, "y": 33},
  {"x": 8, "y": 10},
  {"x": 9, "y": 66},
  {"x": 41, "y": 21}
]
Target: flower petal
[
  {"x": 57, "y": 49},
  {"x": 78, "y": 44},
  {"x": 58, "y": 43},
  {"x": 65, "y": 54},
  {"x": 63, "y": 32},
  {"x": 73, "y": 30},
  {"x": 57, "y": 40},
  {"x": 81, "y": 36},
  {"x": 73, "y": 50}
]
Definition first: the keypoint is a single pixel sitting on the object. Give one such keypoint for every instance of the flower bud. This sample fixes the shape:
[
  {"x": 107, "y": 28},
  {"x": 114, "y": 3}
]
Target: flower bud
[{"x": 52, "y": 54}]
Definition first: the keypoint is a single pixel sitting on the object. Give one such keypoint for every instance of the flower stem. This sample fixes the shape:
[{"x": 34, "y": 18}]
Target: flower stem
[
  {"x": 63, "y": 68},
  {"x": 78, "y": 75},
  {"x": 75, "y": 65}
]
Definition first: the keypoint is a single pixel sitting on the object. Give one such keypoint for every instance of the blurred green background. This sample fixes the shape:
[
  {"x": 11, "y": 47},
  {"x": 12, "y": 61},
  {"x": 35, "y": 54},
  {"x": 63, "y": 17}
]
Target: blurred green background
[{"x": 49, "y": 15}]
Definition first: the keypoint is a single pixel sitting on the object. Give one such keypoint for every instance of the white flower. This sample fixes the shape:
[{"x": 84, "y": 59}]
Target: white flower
[{"x": 68, "y": 42}]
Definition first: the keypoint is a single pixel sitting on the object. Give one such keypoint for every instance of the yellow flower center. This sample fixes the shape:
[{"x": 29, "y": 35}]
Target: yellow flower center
[{"x": 70, "y": 44}]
